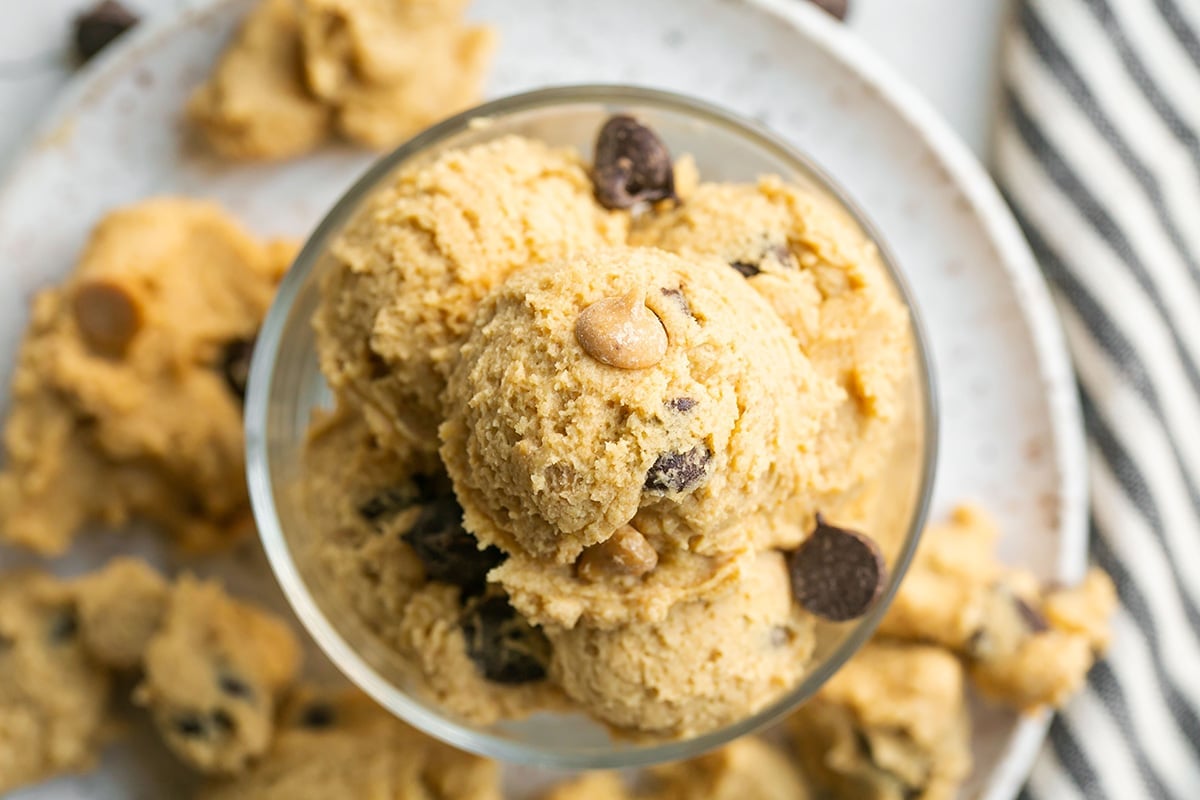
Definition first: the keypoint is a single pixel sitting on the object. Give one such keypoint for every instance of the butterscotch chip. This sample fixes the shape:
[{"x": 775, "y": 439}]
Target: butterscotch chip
[
  {"x": 622, "y": 332},
  {"x": 108, "y": 316},
  {"x": 625, "y": 553}
]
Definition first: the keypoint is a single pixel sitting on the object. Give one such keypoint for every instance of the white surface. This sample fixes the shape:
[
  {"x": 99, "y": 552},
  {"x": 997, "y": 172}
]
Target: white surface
[
  {"x": 946, "y": 48},
  {"x": 1010, "y": 426}
]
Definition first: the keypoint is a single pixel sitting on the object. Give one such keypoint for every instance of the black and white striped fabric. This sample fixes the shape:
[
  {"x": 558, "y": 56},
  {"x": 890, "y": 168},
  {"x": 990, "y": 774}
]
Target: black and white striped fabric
[{"x": 1098, "y": 152}]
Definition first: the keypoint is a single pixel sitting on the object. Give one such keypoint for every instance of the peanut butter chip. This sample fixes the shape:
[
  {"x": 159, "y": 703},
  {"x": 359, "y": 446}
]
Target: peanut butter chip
[
  {"x": 625, "y": 553},
  {"x": 622, "y": 332},
  {"x": 108, "y": 316}
]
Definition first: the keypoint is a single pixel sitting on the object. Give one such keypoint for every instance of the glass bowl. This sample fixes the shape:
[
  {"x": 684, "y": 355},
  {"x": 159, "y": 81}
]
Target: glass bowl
[{"x": 286, "y": 389}]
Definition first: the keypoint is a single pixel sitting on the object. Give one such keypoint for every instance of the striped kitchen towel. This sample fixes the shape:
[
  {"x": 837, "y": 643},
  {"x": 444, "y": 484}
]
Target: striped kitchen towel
[{"x": 1098, "y": 152}]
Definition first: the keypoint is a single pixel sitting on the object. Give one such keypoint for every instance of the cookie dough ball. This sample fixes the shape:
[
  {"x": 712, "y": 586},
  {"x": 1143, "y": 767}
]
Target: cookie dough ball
[
  {"x": 53, "y": 696},
  {"x": 808, "y": 260},
  {"x": 127, "y": 396},
  {"x": 404, "y": 280},
  {"x": 120, "y": 609},
  {"x": 340, "y": 744},
  {"x": 552, "y": 448},
  {"x": 212, "y": 677},
  {"x": 712, "y": 661}
]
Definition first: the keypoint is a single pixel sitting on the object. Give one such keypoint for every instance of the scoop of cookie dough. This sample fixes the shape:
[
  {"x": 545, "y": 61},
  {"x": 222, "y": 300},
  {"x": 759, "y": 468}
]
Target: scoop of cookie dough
[
  {"x": 552, "y": 449},
  {"x": 53, "y": 694},
  {"x": 1026, "y": 644},
  {"x": 407, "y": 275},
  {"x": 127, "y": 395},
  {"x": 335, "y": 745},
  {"x": 712, "y": 661},
  {"x": 890, "y": 725},
  {"x": 826, "y": 281},
  {"x": 213, "y": 674}
]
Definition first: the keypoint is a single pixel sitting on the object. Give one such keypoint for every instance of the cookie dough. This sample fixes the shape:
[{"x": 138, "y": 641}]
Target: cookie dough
[
  {"x": 127, "y": 395},
  {"x": 409, "y": 272},
  {"x": 334, "y": 745},
  {"x": 552, "y": 450},
  {"x": 711, "y": 662},
  {"x": 374, "y": 72},
  {"x": 1027, "y": 645},
  {"x": 53, "y": 693},
  {"x": 121, "y": 608},
  {"x": 890, "y": 725}
]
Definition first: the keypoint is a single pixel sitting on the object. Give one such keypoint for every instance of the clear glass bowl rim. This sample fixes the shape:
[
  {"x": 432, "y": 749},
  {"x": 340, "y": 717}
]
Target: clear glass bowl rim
[{"x": 262, "y": 493}]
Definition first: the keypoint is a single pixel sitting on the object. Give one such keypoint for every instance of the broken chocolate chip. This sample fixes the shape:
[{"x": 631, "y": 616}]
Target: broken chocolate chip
[
  {"x": 235, "y": 365},
  {"x": 837, "y": 574},
  {"x": 190, "y": 725},
  {"x": 1032, "y": 618},
  {"x": 631, "y": 165},
  {"x": 678, "y": 472},
  {"x": 64, "y": 626},
  {"x": 447, "y": 551},
  {"x": 96, "y": 28},
  {"x": 836, "y": 8},
  {"x": 317, "y": 716},
  {"x": 678, "y": 296},
  {"x": 681, "y": 405},
  {"x": 388, "y": 502},
  {"x": 746, "y": 269},
  {"x": 194, "y": 725},
  {"x": 503, "y": 644},
  {"x": 235, "y": 686}
]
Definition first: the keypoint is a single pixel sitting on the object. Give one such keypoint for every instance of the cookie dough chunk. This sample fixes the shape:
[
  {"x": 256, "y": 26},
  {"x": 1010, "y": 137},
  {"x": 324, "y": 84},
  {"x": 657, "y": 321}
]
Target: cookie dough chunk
[
  {"x": 213, "y": 674},
  {"x": 890, "y": 725},
  {"x": 409, "y": 272},
  {"x": 712, "y": 661},
  {"x": 1027, "y": 645},
  {"x": 127, "y": 396},
  {"x": 121, "y": 608},
  {"x": 256, "y": 103},
  {"x": 552, "y": 449},
  {"x": 389, "y": 69},
  {"x": 342, "y": 745},
  {"x": 827, "y": 282},
  {"x": 53, "y": 695}
]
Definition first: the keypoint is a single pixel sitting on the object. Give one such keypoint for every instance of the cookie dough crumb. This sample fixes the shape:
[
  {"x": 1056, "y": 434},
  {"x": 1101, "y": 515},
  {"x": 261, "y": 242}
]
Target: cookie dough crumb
[
  {"x": 890, "y": 725},
  {"x": 120, "y": 408},
  {"x": 121, "y": 607},
  {"x": 53, "y": 695},
  {"x": 213, "y": 674}
]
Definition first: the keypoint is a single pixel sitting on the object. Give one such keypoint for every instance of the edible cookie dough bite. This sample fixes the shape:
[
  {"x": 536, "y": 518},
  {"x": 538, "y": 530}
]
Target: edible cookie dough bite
[
  {"x": 890, "y": 725},
  {"x": 827, "y": 282},
  {"x": 213, "y": 674},
  {"x": 341, "y": 745},
  {"x": 623, "y": 382},
  {"x": 127, "y": 395},
  {"x": 53, "y": 695},
  {"x": 710, "y": 662},
  {"x": 1026, "y": 644},
  {"x": 407, "y": 275}
]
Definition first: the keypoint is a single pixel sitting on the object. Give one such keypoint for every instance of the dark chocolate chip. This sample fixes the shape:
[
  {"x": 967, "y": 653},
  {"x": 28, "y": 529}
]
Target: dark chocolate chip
[
  {"x": 746, "y": 269},
  {"x": 631, "y": 165},
  {"x": 388, "y": 502},
  {"x": 222, "y": 723},
  {"x": 837, "y": 574},
  {"x": 235, "y": 365},
  {"x": 448, "y": 552},
  {"x": 64, "y": 626},
  {"x": 678, "y": 472},
  {"x": 377, "y": 367},
  {"x": 681, "y": 405},
  {"x": 1032, "y": 618},
  {"x": 836, "y": 8},
  {"x": 318, "y": 716},
  {"x": 235, "y": 686},
  {"x": 96, "y": 28},
  {"x": 191, "y": 725},
  {"x": 679, "y": 297},
  {"x": 505, "y": 647}
]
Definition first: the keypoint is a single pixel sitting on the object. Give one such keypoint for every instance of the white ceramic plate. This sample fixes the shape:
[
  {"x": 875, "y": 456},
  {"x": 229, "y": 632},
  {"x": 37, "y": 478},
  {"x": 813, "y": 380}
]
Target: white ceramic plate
[{"x": 1010, "y": 428}]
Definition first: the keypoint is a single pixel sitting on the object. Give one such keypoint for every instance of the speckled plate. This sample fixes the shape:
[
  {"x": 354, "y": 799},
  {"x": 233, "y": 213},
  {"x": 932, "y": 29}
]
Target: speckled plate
[{"x": 1010, "y": 429}]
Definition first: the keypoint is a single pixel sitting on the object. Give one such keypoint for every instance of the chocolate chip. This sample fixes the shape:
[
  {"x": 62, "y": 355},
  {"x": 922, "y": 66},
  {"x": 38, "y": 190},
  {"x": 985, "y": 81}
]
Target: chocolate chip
[
  {"x": 678, "y": 296},
  {"x": 836, "y": 8},
  {"x": 235, "y": 686},
  {"x": 448, "y": 552},
  {"x": 235, "y": 365},
  {"x": 222, "y": 723},
  {"x": 6, "y": 644},
  {"x": 318, "y": 716},
  {"x": 837, "y": 573},
  {"x": 1032, "y": 617},
  {"x": 96, "y": 28},
  {"x": 502, "y": 644},
  {"x": 681, "y": 405},
  {"x": 190, "y": 725},
  {"x": 388, "y": 502},
  {"x": 64, "y": 626},
  {"x": 631, "y": 164},
  {"x": 678, "y": 472},
  {"x": 746, "y": 269},
  {"x": 108, "y": 315}
]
